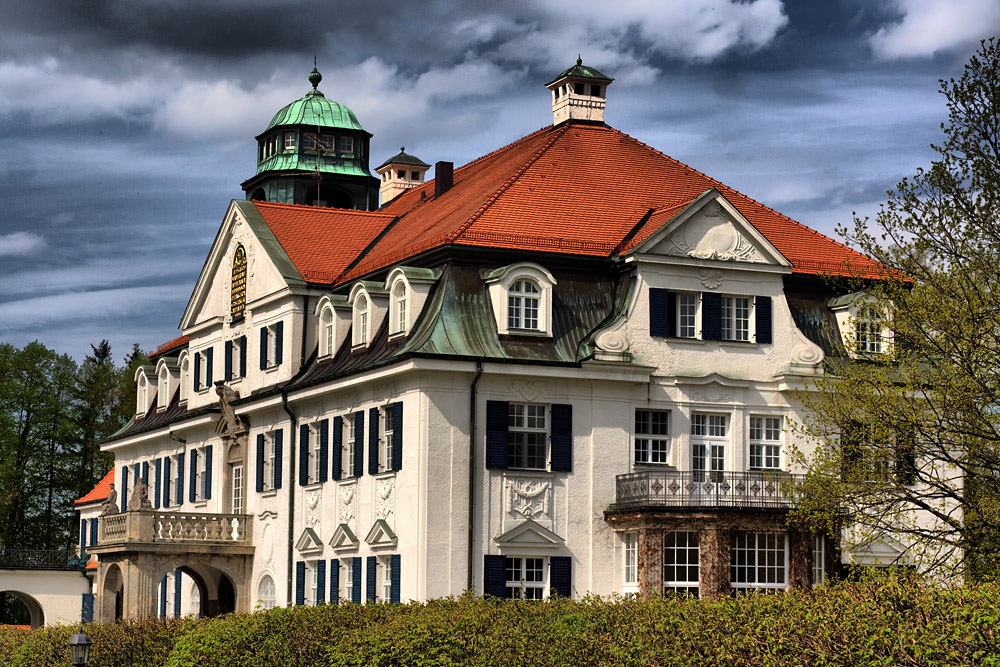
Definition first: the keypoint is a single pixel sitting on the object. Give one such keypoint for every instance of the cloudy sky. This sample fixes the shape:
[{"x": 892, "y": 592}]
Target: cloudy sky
[{"x": 126, "y": 126}]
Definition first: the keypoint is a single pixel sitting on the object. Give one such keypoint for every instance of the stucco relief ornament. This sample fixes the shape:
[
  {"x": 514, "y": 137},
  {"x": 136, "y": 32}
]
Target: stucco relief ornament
[
  {"x": 312, "y": 507},
  {"x": 529, "y": 390},
  {"x": 710, "y": 278},
  {"x": 383, "y": 498},
  {"x": 528, "y": 497},
  {"x": 267, "y": 544},
  {"x": 346, "y": 507},
  {"x": 712, "y": 395}
]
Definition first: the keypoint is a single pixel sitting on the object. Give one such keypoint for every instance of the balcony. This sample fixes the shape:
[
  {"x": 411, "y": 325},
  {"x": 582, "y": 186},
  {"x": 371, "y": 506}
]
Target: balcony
[
  {"x": 758, "y": 490},
  {"x": 12, "y": 558},
  {"x": 156, "y": 530}
]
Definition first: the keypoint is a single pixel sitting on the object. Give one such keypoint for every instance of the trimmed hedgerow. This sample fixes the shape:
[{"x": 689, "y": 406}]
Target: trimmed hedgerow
[{"x": 874, "y": 622}]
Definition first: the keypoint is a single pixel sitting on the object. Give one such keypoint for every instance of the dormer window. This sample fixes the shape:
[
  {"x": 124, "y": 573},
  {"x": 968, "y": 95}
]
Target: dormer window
[
  {"x": 361, "y": 320},
  {"x": 141, "y": 394},
  {"x": 185, "y": 378},
  {"x": 863, "y": 323},
  {"x": 397, "y": 313},
  {"x": 522, "y": 299},
  {"x": 869, "y": 330},
  {"x": 522, "y": 305},
  {"x": 347, "y": 145},
  {"x": 289, "y": 141},
  {"x": 326, "y": 332},
  {"x": 163, "y": 391}
]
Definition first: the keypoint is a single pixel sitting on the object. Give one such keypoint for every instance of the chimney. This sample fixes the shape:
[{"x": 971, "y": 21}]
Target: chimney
[{"x": 443, "y": 177}]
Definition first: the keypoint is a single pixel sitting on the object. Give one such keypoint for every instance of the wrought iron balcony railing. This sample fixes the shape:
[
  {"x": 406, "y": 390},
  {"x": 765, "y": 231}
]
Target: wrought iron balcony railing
[
  {"x": 675, "y": 488},
  {"x": 38, "y": 559}
]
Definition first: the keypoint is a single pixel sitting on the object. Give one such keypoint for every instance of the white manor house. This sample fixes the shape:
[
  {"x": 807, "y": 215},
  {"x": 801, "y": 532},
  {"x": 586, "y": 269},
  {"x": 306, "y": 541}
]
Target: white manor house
[{"x": 568, "y": 366}]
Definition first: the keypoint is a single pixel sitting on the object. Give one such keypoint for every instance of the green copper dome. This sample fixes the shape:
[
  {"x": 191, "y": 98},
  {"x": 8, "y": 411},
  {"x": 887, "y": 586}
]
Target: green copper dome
[
  {"x": 315, "y": 110},
  {"x": 581, "y": 70}
]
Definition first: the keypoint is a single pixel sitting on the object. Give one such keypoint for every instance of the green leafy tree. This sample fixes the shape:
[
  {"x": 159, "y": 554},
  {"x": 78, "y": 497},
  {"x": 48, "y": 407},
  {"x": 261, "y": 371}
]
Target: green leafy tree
[{"x": 909, "y": 437}]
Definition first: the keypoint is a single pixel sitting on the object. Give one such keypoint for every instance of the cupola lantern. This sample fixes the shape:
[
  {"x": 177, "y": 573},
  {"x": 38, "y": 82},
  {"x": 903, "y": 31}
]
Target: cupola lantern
[
  {"x": 578, "y": 93},
  {"x": 400, "y": 173}
]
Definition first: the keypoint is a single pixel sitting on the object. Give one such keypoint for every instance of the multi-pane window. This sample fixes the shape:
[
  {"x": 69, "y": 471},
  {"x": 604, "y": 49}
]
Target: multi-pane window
[
  {"x": 708, "y": 446},
  {"x": 235, "y": 367},
  {"x": 522, "y": 305},
  {"x": 681, "y": 558},
  {"x": 361, "y": 321},
  {"x": 399, "y": 307},
  {"x": 527, "y": 436},
  {"x": 266, "y": 596},
  {"x": 237, "y": 471},
  {"x": 315, "y": 445},
  {"x": 630, "y": 576},
  {"x": 736, "y": 318},
  {"x": 270, "y": 450},
  {"x": 326, "y": 333},
  {"x": 201, "y": 470},
  {"x": 758, "y": 560},
  {"x": 765, "y": 443},
  {"x": 347, "y": 145},
  {"x": 185, "y": 378},
  {"x": 687, "y": 315},
  {"x": 652, "y": 442},
  {"x": 350, "y": 446},
  {"x": 313, "y": 584},
  {"x": 869, "y": 331},
  {"x": 385, "y": 456},
  {"x": 206, "y": 381},
  {"x": 819, "y": 560},
  {"x": 309, "y": 141},
  {"x": 385, "y": 579},
  {"x": 289, "y": 141},
  {"x": 272, "y": 345},
  {"x": 525, "y": 578},
  {"x": 163, "y": 390},
  {"x": 348, "y": 579}
]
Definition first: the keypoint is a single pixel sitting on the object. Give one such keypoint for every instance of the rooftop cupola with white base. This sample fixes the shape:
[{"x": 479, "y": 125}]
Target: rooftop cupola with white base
[
  {"x": 578, "y": 94},
  {"x": 400, "y": 173}
]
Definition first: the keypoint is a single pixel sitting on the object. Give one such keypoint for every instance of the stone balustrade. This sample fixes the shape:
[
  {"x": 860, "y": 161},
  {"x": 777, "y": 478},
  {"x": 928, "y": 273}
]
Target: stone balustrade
[{"x": 175, "y": 528}]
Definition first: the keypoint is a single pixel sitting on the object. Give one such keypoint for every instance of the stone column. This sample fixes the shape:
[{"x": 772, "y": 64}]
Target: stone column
[
  {"x": 650, "y": 561},
  {"x": 713, "y": 568}
]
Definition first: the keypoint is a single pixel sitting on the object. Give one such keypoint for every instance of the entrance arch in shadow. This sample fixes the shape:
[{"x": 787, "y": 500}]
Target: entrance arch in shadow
[{"x": 17, "y": 608}]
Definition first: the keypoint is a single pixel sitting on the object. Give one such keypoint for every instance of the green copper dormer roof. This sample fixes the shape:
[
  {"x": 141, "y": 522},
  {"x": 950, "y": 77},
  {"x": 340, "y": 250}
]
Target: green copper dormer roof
[
  {"x": 582, "y": 71},
  {"x": 315, "y": 110},
  {"x": 403, "y": 158}
]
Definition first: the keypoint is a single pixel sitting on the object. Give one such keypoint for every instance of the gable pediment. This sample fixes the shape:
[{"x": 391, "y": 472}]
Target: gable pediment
[
  {"x": 344, "y": 539},
  {"x": 710, "y": 228},
  {"x": 529, "y": 534},
  {"x": 381, "y": 535},
  {"x": 309, "y": 542}
]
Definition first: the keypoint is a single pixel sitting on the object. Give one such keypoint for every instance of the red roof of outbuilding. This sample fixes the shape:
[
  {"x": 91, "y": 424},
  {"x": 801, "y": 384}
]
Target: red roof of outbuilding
[
  {"x": 178, "y": 342},
  {"x": 573, "y": 188},
  {"x": 101, "y": 491}
]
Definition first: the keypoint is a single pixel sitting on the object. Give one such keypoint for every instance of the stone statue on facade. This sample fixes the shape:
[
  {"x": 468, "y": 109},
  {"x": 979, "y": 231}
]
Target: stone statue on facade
[
  {"x": 110, "y": 504},
  {"x": 140, "y": 496},
  {"x": 230, "y": 425}
]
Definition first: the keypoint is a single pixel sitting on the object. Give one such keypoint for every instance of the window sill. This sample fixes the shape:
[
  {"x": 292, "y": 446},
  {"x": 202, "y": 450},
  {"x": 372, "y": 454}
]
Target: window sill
[
  {"x": 646, "y": 465},
  {"x": 737, "y": 343},
  {"x": 385, "y": 474},
  {"x": 684, "y": 340},
  {"x": 524, "y": 333},
  {"x": 531, "y": 472},
  {"x": 272, "y": 368},
  {"x": 309, "y": 486},
  {"x": 268, "y": 492}
]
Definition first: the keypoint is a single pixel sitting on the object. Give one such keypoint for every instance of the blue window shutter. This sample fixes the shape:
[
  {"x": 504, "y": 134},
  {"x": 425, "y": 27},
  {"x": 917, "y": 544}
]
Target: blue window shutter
[
  {"x": 659, "y": 311},
  {"x": 303, "y": 454},
  {"x": 359, "y": 443},
  {"x": 394, "y": 574},
  {"x": 263, "y": 348},
  {"x": 324, "y": 449},
  {"x": 163, "y": 597},
  {"x": 158, "y": 478},
  {"x": 197, "y": 371},
  {"x": 300, "y": 583},
  {"x": 83, "y": 536},
  {"x": 166, "y": 481},
  {"x": 124, "y": 488},
  {"x": 372, "y": 441},
  {"x": 370, "y": 578},
  {"x": 208, "y": 367},
  {"x": 229, "y": 360},
  {"x": 762, "y": 312},
  {"x": 496, "y": 433},
  {"x": 334, "y": 581},
  {"x": 260, "y": 462},
  {"x": 320, "y": 582},
  {"x": 93, "y": 531},
  {"x": 561, "y": 576},
  {"x": 208, "y": 472},
  {"x": 177, "y": 593},
  {"x": 145, "y": 472},
  {"x": 87, "y": 608},
  {"x": 243, "y": 356},
  {"x": 338, "y": 447},
  {"x": 711, "y": 316},
  {"x": 192, "y": 490},
  {"x": 397, "y": 436},
  {"x": 279, "y": 342},
  {"x": 495, "y": 576},
  {"x": 279, "y": 448},
  {"x": 179, "y": 489},
  {"x": 356, "y": 578},
  {"x": 562, "y": 438}
]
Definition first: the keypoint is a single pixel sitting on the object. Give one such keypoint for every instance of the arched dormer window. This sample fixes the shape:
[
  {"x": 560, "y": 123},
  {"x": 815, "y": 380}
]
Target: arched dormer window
[
  {"x": 361, "y": 322},
  {"x": 398, "y": 308},
  {"x": 521, "y": 295},
  {"x": 163, "y": 389},
  {"x": 185, "y": 379},
  {"x": 326, "y": 324},
  {"x": 141, "y": 395}
]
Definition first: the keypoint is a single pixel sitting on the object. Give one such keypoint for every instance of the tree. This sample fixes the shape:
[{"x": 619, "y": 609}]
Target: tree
[{"x": 909, "y": 439}]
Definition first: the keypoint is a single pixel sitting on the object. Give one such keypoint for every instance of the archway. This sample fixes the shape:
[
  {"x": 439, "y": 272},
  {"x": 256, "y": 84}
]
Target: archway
[
  {"x": 258, "y": 195},
  {"x": 212, "y": 592},
  {"x": 113, "y": 594},
  {"x": 333, "y": 197},
  {"x": 17, "y": 608}
]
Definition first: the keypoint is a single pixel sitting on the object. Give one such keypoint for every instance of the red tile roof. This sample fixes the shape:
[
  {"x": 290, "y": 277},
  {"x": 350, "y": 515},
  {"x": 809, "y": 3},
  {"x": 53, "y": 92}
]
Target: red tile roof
[
  {"x": 573, "y": 188},
  {"x": 101, "y": 491},
  {"x": 180, "y": 341},
  {"x": 322, "y": 242}
]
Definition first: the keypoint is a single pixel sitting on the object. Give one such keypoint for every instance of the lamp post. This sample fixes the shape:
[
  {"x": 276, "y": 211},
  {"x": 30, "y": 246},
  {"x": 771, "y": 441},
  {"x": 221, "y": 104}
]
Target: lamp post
[{"x": 79, "y": 648}]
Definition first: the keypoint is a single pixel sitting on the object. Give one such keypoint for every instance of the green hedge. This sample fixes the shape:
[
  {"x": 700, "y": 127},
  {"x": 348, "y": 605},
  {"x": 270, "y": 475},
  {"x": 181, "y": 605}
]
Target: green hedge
[{"x": 875, "y": 622}]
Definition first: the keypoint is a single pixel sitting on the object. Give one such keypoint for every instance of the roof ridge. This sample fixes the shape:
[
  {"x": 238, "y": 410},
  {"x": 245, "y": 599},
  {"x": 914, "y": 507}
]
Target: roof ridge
[
  {"x": 320, "y": 209},
  {"x": 556, "y": 134},
  {"x": 720, "y": 185}
]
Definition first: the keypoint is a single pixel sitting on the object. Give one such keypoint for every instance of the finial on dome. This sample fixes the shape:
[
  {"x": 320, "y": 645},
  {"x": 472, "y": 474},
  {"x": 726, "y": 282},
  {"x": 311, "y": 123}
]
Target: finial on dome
[
  {"x": 314, "y": 76},
  {"x": 402, "y": 149},
  {"x": 579, "y": 59}
]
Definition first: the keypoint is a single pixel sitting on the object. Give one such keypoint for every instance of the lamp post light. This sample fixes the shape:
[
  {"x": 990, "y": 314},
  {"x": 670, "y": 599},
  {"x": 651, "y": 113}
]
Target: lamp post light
[{"x": 79, "y": 648}]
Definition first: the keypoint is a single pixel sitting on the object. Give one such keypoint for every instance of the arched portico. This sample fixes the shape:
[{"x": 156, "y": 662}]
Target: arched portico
[
  {"x": 19, "y": 608},
  {"x": 37, "y": 597}
]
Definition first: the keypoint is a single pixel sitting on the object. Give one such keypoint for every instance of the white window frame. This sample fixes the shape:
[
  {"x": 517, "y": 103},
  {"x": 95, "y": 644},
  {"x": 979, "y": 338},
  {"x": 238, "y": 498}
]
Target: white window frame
[
  {"x": 385, "y": 439},
  {"x": 766, "y": 442},
  {"x": 270, "y": 454},
  {"x": 272, "y": 346},
  {"x": 398, "y": 303},
  {"x": 289, "y": 141},
  {"x": 314, "y": 451},
  {"x": 347, "y": 458},
  {"x": 326, "y": 332},
  {"x": 869, "y": 327},
  {"x": 523, "y": 305},
  {"x": 684, "y": 549},
  {"x": 688, "y": 301},
  {"x": 522, "y": 428},
  {"x": 234, "y": 359},
  {"x": 362, "y": 320},
  {"x": 163, "y": 388},
  {"x": 141, "y": 392},
  {"x": 709, "y": 439},
  {"x": 500, "y": 285},
  {"x": 185, "y": 376},
  {"x": 267, "y": 594},
  {"x": 203, "y": 371},
  {"x": 819, "y": 560},
  {"x": 630, "y": 563},
  {"x": 348, "y": 579},
  {"x": 766, "y": 556},
  {"x": 737, "y": 318},
  {"x": 526, "y": 577},
  {"x": 347, "y": 145},
  {"x": 384, "y": 579},
  {"x": 313, "y": 567},
  {"x": 651, "y": 447},
  {"x": 194, "y": 601},
  {"x": 200, "y": 471}
]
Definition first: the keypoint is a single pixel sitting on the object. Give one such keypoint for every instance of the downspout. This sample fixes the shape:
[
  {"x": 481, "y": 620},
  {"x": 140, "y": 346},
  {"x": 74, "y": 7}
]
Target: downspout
[
  {"x": 291, "y": 491},
  {"x": 472, "y": 472}
]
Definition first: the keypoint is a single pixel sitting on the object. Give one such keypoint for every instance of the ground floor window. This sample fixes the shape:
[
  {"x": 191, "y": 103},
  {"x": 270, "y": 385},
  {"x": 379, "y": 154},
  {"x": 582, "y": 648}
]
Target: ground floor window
[
  {"x": 630, "y": 576},
  {"x": 525, "y": 578},
  {"x": 681, "y": 557},
  {"x": 265, "y": 593},
  {"x": 758, "y": 561},
  {"x": 819, "y": 560}
]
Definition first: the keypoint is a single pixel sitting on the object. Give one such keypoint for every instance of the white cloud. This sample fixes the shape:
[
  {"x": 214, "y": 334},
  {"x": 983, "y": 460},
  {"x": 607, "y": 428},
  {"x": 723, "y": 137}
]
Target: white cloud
[
  {"x": 20, "y": 244},
  {"x": 97, "y": 305},
  {"x": 929, "y": 26}
]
